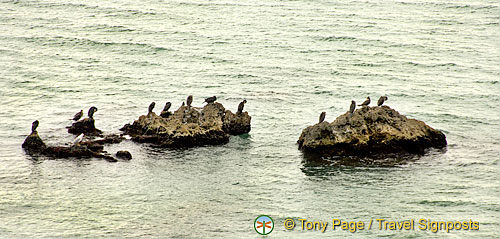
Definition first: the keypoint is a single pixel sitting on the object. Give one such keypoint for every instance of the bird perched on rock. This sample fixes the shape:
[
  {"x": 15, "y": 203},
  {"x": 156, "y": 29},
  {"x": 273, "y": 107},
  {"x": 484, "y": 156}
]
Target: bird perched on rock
[
  {"x": 241, "y": 105},
  {"x": 78, "y": 115},
  {"x": 189, "y": 101},
  {"x": 165, "y": 113},
  {"x": 92, "y": 110},
  {"x": 151, "y": 107},
  {"x": 167, "y": 106},
  {"x": 322, "y": 117},
  {"x": 78, "y": 139},
  {"x": 34, "y": 125},
  {"x": 381, "y": 100},
  {"x": 211, "y": 99},
  {"x": 367, "y": 102},
  {"x": 353, "y": 107}
]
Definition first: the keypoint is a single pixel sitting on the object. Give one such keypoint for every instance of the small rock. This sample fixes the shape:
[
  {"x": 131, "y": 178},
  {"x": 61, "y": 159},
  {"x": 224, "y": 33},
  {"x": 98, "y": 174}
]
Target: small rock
[
  {"x": 124, "y": 155},
  {"x": 85, "y": 126},
  {"x": 236, "y": 124},
  {"x": 33, "y": 144}
]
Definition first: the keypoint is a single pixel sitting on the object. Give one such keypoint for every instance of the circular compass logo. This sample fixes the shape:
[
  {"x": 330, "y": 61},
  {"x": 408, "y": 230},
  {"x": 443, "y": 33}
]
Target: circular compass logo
[{"x": 263, "y": 224}]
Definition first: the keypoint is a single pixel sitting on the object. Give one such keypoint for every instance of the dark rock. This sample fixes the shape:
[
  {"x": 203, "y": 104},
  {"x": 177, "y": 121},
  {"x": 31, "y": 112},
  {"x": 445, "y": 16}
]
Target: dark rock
[
  {"x": 110, "y": 159},
  {"x": 124, "y": 155},
  {"x": 107, "y": 157},
  {"x": 236, "y": 124},
  {"x": 165, "y": 114},
  {"x": 85, "y": 126},
  {"x": 370, "y": 131},
  {"x": 71, "y": 151},
  {"x": 33, "y": 144}
]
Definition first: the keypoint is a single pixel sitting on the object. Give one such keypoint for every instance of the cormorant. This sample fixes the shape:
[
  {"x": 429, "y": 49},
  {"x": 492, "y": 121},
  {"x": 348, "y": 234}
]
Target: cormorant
[
  {"x": 78, "y": 115},
  {"x": 367, "y": 102},
  {"x": 381, "y": 100},
  {"x": 92, "y": 110},
  {"x": 211, "y": 99},
  {"x": 189, "y": 100},
  {"x": 167, "y": 106},
  {"x": 353, "y": 107},
  {"x": 151, "y": 107},
  {"x": 322, "y": 117},
  {"x": 34, "y": 125},
  {"x": 241, "y": 105}
]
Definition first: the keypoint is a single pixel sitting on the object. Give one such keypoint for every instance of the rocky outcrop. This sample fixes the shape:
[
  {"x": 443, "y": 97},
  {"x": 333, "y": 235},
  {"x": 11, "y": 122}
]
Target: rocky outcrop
[
  {"x": 235, "y": 124},
  {"x": 85, "y": 126},
  {"x": 189, "y": 126},
  {"x": 34, "y": 145},
  {"x": 370, "y": 131}
]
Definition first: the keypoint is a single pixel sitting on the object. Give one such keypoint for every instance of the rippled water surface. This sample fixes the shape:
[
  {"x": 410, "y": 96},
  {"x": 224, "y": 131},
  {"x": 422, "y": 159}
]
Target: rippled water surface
[{"x": 437, "y": 60}]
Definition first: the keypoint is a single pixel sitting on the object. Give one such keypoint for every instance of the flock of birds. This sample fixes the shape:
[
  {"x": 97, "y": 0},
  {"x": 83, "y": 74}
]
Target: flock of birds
[
  {"x": 208, "y": 100},
  {"x": 189, "y": 101},
  {"x": 77, "y": 117},
  {"x": 78, "y": 139},
  {"x": 91, "y": 112},
  {"x": 380, "y": 102}
]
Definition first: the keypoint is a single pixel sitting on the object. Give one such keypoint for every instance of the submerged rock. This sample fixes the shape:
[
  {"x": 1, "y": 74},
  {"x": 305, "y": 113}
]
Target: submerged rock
[
  {"x": 370, "y": 131},
  {"x": 85, "y": 126},
  {"x": 189, "y": 126},
  {"x": 124, "y": 154}
]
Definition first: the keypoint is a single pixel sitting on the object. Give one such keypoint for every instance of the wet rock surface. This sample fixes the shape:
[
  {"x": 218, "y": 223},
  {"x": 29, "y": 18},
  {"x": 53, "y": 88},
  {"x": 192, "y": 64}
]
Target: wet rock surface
[
  {"x": 123, "y": 154},
  {"x": 85, "y": 126},
  {"x": 35, "y": 146},
  {"x": 33, "y": 143},
  {"x": 370, "y": 132},
  {"x": 235, "y": 124},
  {"x": 189, "y": 126},
  {"x": 186, "y": 127}
]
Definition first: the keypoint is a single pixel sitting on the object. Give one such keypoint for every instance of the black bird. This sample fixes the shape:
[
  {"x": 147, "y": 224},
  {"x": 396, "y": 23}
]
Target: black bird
[
  {"x": 34, "y": 125},
  {"x": 189, "y": 100},
  {"x": 322, "y": 117},
  {"x": 241, "y": 105},
  {"x": 381, "y": 100},
  {"x": 353, "y": 107},
  {"x": 78, "y": 115},
  {"x": 211, "y": 99},
  {"x": 92, "y": 110},
  {"x": 367, "y": 102},
  {"x": 167, "y": 106},
  {"x": 151, "y": 107}
]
